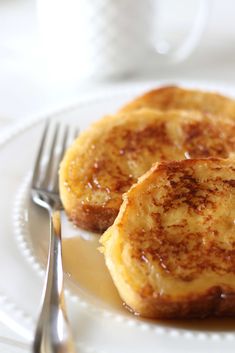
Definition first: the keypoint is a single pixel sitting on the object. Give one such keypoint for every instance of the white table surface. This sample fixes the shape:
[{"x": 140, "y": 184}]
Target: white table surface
[{"x": 27, "y": 90}]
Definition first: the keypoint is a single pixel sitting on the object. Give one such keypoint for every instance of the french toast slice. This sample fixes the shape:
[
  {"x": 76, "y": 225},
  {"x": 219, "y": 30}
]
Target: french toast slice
[
  {"x": 108, "y": 158},
  {"x": 173, "y": 97},
  {"x": 171, "y": 249}
]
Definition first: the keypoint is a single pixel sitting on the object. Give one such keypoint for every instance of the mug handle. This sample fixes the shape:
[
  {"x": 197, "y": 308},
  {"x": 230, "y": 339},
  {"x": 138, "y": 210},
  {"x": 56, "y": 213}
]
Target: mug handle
[{"x": 188, "y": 45}]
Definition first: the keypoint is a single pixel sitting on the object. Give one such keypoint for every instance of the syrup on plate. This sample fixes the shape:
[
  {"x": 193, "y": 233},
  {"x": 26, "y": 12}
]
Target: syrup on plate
[
  {"x": 85, "y": 266},
  {"x": 88, "y": 275}
]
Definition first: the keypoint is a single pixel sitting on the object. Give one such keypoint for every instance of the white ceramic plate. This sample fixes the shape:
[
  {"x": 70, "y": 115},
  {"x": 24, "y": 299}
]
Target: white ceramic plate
[{"x": 99, "y": 321}]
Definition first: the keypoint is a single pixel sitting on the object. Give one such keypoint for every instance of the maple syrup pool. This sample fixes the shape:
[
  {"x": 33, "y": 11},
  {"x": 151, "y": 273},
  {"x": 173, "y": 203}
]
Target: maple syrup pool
[{"x": 85, "y": 267}]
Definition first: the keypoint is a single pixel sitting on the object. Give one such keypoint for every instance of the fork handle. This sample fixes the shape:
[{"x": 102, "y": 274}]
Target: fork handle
[
  {"x": 54, "y": 274},
  {"x": 53, "y": 333}
]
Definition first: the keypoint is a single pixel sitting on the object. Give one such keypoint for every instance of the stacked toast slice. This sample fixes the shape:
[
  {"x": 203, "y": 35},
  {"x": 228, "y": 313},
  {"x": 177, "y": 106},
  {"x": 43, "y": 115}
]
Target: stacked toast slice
[
  {"x": 172, "y": 97},
  {"x": 108, "y": 158},
  {"x": 171, "y": 249}
]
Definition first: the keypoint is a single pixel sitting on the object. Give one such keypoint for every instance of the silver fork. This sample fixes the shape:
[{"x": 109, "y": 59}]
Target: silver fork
[{"x": 53, "y": 334}]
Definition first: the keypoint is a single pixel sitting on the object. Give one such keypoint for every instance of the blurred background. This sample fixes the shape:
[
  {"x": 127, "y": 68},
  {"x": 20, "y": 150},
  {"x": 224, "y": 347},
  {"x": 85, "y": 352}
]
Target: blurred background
[{"x": 39, "y": 39}]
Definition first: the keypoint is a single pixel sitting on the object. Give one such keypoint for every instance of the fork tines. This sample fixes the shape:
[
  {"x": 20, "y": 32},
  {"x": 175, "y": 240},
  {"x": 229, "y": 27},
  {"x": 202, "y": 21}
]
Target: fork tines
[{"x": 55, "y": 139}]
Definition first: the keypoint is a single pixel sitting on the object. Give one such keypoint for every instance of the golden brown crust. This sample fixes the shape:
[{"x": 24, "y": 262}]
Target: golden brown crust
[
  {"x": 211, "y": 303},
  {"x": 109, "y": 157},
  {"x": 89, "y": 216},
  {"x": 173, "y": 97},
  {"x": 171, "y": 249},
  {"x": 114, "y": 164}
]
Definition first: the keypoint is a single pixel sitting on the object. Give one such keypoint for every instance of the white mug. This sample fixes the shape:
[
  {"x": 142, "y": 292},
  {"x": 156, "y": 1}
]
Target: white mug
[{"x": 109, "y": 38}]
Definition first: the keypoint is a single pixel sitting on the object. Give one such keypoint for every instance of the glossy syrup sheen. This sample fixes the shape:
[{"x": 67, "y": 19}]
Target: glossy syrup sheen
[{"x": 85, "y": 267}]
